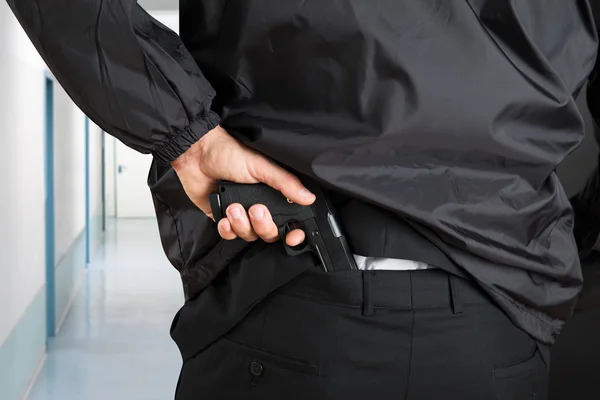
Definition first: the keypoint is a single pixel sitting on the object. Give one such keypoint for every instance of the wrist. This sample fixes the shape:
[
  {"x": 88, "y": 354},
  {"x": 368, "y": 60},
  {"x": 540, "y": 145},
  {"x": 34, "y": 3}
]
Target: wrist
[{"x": 193, "y": 153}]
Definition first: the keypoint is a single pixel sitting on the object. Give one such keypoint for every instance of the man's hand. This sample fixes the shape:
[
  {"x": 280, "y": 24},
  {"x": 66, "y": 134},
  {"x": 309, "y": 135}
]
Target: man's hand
[{"x": 218, "y": 156}]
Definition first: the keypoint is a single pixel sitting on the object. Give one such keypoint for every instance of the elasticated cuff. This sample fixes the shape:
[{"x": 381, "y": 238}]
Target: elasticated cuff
[{"x": 177, "y": 144}]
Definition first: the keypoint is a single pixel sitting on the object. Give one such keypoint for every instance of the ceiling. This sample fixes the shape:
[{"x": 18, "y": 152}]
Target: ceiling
[{"x": 159, "y": 4}]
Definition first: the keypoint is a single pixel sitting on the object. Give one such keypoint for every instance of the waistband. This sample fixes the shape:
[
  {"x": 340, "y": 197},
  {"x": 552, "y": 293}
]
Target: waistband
[{"x": 386, "y": 289}]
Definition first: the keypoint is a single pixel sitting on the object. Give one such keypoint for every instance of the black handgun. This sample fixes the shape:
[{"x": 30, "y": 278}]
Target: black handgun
[{"x": 324, "y": 236}]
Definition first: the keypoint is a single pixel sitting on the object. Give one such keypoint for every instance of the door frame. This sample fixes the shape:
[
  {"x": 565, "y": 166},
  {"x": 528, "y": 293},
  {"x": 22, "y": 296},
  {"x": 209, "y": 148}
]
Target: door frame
[
  {"x": 115, "y": 177},
  {"x": 109, "y": 159},
  {"x": 103, "y": 177},
  {"x": 49, "y": 216},
  {"x": 87, "y": 190}
]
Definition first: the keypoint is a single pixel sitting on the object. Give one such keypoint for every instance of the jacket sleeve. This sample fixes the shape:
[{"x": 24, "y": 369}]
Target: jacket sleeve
[{"x": 127, "y": 72}]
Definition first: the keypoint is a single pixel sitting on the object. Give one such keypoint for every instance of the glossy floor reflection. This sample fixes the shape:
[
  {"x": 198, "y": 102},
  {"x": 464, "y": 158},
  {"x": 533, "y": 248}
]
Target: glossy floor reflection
[{"x": 115, "y": 341}]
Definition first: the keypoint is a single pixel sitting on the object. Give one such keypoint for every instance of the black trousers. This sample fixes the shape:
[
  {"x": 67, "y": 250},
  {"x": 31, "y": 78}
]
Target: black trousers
[
  {"x": 576, "y": 359},
  {"x": 418, "y": 335},
  {"x": 576, "y": 354}
]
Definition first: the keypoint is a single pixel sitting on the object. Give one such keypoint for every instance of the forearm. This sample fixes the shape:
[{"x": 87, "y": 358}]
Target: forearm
[{"x": 130, "y": 74}]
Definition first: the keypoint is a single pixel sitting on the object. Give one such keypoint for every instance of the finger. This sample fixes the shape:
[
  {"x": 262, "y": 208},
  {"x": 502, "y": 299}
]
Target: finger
[
  {"x": 263, "y": 224},
  {"x": 225, "y": 230},
  {"x": 278, "y": 178},
  {"x": 240, "y": 223},
  {"x": 295, "y": 237}
]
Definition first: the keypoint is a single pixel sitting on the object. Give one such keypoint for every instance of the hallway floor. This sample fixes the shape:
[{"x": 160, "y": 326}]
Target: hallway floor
[{"x": 115, "y": 343}]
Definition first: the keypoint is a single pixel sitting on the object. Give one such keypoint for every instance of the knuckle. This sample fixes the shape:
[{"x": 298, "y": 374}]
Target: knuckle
[
  {"x": 259, "y": 228},
  {"x": 233, "y": 207},
  {"x": 244, "y": 230},
  {"x": 255, "y": 167},
  {"x": 265, "y": 227},
  {"x": 240, "y": 231},
  {"x": 289, "y": 179},
  {"x": 268, "y": 232},
  {"x": 256, "y": 208}
]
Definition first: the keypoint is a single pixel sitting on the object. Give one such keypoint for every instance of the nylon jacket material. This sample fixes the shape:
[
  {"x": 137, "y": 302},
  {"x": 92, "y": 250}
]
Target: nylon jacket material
[
  {"x": 129, "y": 73},
  {"x": 452, "y": 114}
]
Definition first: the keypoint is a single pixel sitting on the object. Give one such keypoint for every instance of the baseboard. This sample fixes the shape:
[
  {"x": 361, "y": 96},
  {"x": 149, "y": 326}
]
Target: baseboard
[
  {"x": 68, "y": 274},
  {"x": 96, "y": 233},
  {"x": 21, "y": 352},
  {"x": 35, "y": 376},
  {"x": 67, "y": 308}
]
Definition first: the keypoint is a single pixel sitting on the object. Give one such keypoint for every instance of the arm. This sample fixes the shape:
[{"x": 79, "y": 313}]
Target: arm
[
  {"x": 129, "y": 73},
  {"x": 136, "y": 80}
]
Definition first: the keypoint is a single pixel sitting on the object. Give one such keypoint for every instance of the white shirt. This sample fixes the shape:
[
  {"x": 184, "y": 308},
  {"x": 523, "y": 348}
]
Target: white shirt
[{"x": 371, "y": 263}]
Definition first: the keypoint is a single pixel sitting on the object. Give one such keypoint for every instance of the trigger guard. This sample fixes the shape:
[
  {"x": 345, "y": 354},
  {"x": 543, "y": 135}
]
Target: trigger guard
[{"x": 291, "y": 251}]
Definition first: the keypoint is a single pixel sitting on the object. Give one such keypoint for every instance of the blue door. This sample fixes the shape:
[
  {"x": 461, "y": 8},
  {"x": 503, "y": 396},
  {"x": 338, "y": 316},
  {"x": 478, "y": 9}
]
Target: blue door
[{"x": 49, "y": 207}]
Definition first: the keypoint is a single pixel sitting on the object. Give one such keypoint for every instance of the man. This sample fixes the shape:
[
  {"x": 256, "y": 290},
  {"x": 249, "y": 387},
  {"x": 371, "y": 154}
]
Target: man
[{"x": 435, "y": 126}]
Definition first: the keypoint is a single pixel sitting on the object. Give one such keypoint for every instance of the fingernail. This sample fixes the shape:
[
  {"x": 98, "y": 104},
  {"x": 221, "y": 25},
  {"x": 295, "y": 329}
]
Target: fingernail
[
  {"x": 306, "y": 193},
  {"x": 258, "y": 213},
  {"x": 235, "y": 213}
]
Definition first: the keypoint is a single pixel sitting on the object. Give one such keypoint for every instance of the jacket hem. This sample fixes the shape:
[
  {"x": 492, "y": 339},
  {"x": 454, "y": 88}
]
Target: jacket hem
[{"x": 540, "y": 326}]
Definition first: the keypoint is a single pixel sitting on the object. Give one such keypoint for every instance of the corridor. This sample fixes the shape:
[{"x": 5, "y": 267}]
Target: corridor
[{"x": 114, "y": 343}]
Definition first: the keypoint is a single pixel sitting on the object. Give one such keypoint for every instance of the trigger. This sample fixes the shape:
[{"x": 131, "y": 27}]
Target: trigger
[{"x": 291, "y": 226}]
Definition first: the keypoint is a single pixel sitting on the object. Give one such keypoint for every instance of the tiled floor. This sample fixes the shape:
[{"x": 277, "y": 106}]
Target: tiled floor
[{"x": 115, "y": 344}]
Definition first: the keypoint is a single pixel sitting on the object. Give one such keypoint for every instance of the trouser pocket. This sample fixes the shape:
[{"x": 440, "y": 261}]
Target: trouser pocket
[
  {"x": 526, "y": 379},
  {"x": 232, "y": 370}
]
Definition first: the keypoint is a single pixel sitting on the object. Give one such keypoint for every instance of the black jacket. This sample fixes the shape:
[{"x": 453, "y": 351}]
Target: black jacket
[{"x": 453, "y": 115}]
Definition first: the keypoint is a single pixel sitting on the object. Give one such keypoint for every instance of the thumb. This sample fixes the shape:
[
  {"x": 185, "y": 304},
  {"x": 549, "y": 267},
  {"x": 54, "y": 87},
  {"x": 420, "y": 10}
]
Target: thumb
[{"x": 282, "y": 180}]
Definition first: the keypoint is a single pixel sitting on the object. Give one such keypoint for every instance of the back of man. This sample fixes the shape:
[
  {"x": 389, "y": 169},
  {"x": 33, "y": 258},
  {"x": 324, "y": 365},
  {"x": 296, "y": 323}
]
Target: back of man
[{"x": 453, "y": 115}]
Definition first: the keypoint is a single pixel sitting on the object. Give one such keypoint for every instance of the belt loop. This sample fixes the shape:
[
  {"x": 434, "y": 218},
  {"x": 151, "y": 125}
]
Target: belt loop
[
  {"x": 367, "y": 309},
  {"x": 457, "y": 307}
]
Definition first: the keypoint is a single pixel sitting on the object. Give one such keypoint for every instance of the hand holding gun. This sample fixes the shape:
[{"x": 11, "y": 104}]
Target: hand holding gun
[{"x": 324, "y": 236}]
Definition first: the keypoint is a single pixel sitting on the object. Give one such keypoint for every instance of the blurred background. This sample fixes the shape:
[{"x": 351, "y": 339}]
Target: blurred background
[{"x": 86, "y": 293}]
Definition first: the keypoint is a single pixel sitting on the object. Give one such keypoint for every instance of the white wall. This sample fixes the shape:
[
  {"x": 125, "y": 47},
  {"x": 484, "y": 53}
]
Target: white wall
[
  {"x": 110, "y": 199},
  {"x": 96, "y": 200},
  {"x": 69, "y": 172},
  {"x": 95, "y": 169},
  {"x": 22, "y": 190},
  {"x": 22, "y": 273}
]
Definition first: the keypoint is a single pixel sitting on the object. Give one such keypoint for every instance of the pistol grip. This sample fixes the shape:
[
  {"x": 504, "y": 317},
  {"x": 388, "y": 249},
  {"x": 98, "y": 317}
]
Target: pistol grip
[{"x": 247, "y": 195}]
